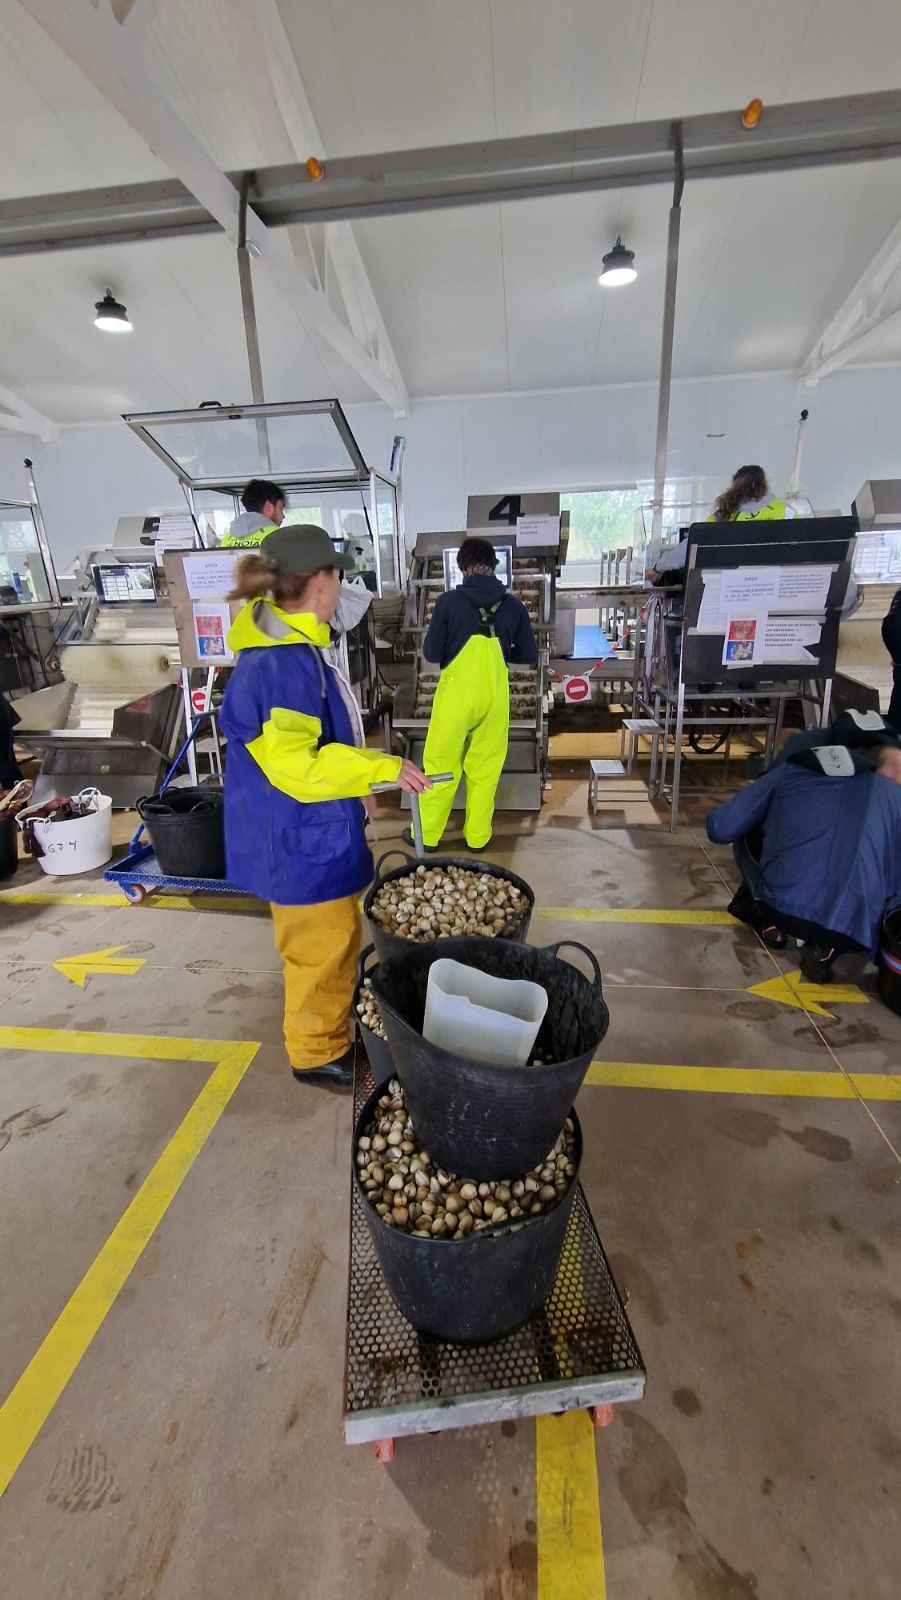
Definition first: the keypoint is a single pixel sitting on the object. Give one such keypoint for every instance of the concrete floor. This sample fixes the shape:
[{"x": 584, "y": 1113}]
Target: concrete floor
[{"x": 196, "y": 1451}]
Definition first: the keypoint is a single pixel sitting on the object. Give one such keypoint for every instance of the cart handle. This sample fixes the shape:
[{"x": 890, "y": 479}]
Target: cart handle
[
  {"x": 573, "y": 944},
  {"x": 171, "y": 773}
]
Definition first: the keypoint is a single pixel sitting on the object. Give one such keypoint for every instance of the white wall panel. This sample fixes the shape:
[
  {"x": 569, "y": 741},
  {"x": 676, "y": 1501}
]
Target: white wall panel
[{"x": 549, "y": 441}]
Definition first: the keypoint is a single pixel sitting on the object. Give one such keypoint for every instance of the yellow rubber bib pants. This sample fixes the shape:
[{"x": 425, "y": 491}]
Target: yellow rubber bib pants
[
  {"x": 319, "y": 946},
  {"x": 468, "y": 734}
]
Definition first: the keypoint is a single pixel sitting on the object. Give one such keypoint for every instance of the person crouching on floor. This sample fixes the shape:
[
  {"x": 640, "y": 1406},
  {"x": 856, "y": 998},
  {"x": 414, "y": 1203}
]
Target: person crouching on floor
[
  {"x": 297, "y": 785},
  {"x": 818, "y": 842}
]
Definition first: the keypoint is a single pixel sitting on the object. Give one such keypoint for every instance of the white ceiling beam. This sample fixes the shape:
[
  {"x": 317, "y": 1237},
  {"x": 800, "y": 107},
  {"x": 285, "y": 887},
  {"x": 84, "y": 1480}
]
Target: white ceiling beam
[
  {"x": 17, "y": 416},
  {"x": 872, "y": 308},
  {"x": 112, "y": 59},
  {"x": 353, "y": 280}
]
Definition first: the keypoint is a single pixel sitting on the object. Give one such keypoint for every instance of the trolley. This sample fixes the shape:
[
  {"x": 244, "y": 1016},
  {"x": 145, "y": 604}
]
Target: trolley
[
  {"x": 139, "y": 874},
  {"x": 577, "y": 1352}
]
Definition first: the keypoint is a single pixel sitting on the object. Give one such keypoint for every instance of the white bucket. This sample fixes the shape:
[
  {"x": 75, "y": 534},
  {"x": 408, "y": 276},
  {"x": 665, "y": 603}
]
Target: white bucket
[
  {"x": 77, "y": 846},
  {"x": 485, "y": 1018}
]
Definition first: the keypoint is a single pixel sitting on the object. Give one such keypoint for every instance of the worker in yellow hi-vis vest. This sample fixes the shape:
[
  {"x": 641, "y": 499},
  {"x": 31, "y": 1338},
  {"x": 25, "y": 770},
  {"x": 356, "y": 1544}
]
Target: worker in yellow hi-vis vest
[
  {"x": 477, "y": 631},
  {"x": 264, "y": 511},
  {"x": 747, "y": 499}
]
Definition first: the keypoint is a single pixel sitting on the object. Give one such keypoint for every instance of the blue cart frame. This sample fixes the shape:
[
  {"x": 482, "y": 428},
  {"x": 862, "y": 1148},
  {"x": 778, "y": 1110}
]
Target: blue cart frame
[{"x": 140, "y": 874}]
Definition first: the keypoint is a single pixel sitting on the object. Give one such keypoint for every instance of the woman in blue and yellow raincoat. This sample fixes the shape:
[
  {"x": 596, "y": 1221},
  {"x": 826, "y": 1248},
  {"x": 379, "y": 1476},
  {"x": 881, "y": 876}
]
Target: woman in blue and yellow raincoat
[{"x": 296, "y": 787}]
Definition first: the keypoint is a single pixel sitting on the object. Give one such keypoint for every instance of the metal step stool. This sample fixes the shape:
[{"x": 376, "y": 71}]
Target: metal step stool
[
  {"x": 640, "y": 728},
  {"x": 601, "y": 769}
]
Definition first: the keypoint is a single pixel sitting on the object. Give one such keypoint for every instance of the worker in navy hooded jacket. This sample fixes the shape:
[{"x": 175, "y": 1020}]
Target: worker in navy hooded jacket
[
  {"x": 477, "y": 631},
  {"x": 824, "y": 830},
  {"x": 297, "y": 787}
]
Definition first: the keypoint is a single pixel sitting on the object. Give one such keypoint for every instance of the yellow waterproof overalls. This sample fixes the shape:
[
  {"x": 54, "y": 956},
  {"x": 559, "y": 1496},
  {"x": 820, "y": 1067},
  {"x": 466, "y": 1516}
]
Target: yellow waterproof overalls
[{"x": 468, "y": 735}]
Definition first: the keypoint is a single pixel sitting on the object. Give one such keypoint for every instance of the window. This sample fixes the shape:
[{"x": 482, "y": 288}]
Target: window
[{"x": 600, "y": 520}]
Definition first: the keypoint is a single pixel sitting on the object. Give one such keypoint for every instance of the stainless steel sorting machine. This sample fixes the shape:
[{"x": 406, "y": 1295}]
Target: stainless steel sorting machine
[{"x": 533, "y": 581}]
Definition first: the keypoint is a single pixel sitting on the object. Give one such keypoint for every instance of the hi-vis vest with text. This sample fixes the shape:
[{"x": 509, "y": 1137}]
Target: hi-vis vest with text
[{"x": 250, "y": 541}]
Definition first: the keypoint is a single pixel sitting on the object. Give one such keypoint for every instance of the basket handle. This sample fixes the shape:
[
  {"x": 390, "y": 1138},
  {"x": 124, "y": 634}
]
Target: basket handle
[
  {"x": 362, "y": 968},
  {"x": 387, "y": 857},
  {"x": 573, "y": 944}
]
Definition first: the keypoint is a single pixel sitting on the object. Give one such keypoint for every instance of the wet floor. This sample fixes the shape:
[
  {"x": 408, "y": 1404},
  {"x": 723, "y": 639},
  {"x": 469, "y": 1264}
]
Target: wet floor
[{"x": 196, "y": 1447}]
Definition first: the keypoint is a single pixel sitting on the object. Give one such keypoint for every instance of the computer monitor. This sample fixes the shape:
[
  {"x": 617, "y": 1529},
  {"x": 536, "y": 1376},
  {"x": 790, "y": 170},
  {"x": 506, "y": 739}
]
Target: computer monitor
[
  {"x": 503, "y": 571},
  {"x": 125, "y": 583}
]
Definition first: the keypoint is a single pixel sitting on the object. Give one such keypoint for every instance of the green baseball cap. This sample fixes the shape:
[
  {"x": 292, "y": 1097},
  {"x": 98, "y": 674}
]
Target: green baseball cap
[{"x": 302, "y": 547}]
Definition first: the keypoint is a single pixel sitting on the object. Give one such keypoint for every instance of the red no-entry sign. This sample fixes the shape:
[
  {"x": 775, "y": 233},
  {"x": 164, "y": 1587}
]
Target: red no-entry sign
[{"x": 576, "y": 689}]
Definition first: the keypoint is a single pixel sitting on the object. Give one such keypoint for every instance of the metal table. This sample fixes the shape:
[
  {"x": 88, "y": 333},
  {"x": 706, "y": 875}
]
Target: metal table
[{"x": 577, "y": 1352}]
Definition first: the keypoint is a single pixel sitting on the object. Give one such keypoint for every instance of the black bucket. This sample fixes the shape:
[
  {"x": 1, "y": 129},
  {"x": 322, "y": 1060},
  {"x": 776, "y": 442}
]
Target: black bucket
[
  {"x": 889, "y": 978},
  {"x": 388, "y": 944},
  {"x": 187, "y": 832},
  {"x": 473, "y": 1116},
  {"x": 478, "y": 1288},
  {"x": 9, "y": 847},
  {"x": 378, "y": 1051}
]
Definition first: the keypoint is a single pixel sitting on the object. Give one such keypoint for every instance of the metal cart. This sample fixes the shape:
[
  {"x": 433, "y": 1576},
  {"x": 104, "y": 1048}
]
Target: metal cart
[
  {"x": 578, "y": 1352},
  {"x": 139, "y": 873}
]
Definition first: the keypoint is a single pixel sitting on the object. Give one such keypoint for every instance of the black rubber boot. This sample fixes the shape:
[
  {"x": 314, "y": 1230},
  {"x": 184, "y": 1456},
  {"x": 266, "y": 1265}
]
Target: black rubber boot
[
  {"x": 333, "y": 1075},
  {"x": 407, "y": 837},
  {"x": 817, "y": 963}
]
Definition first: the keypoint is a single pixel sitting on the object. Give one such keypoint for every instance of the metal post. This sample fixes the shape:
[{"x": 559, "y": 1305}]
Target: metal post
[
  {"x": 666, "y": 346},
  {"x": 251, "y": 333},
  {"x": 40, "y": 530},
  {"x": 677, "y": 754},
  {"x": 794, "y": 482}
]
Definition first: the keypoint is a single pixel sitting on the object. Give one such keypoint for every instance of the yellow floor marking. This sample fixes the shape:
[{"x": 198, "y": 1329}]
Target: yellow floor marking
[
  {"x": 78, "y": 968},
  {"x": 138, "y": 1046},
  {"x": 792, "y": 989},
  {"x": 59, "y": 897},
  {"x": 118, "y": 902},
  {"x": 570, "y": 1552},
  {"x": 746, "y": 1080},
  {"x": 678, "y": 919},
  {"x": 225, "y": 902},
  {"x": 41, "y": 1384}
]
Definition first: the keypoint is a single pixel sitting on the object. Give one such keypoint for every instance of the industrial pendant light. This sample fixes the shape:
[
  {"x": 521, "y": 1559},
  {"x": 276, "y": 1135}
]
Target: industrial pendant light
[
  {"x": 111, "y": 316},
  {"x": 618, "y": 266}
]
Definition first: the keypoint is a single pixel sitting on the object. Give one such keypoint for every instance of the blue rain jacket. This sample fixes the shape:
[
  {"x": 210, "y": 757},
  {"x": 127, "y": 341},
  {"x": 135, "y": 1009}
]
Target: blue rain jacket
[
  {"x": 295, "y": 774},
  {"x": 831, "y": 846}
]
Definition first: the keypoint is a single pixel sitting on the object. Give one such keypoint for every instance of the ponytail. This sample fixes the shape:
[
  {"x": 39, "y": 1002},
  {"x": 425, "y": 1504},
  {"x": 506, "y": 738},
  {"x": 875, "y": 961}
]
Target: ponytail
[
  {"x": 256, "y": 579},
  {"x": 749, "y": 483}
]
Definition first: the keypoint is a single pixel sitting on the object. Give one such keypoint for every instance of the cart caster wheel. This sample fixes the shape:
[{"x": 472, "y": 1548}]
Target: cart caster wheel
[
  {"x": 601, "y": 1416},
  {"x": 384, "y": 1450},
  {"x": 135, "y": 893}
]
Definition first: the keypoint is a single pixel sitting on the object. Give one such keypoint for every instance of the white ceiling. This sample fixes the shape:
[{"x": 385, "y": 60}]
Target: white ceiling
[{"x": 479, "y": 300}]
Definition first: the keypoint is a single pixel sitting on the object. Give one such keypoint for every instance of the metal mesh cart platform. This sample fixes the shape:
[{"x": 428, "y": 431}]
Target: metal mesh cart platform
[
  {"x": 140, "y": 874},
  {"x": 577, "y": 1352}
]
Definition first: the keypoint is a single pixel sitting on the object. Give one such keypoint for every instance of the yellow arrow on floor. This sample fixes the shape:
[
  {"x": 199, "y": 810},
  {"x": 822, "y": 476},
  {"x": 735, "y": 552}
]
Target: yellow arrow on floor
[
  {"x": 793, "y": 990},
  {"x": 78, "y": 968}
]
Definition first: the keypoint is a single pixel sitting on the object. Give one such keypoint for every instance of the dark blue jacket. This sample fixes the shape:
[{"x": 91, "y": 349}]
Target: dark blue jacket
[
  {"x": 891, "y": 629},
  {"x": 456, "y": 619},
  {"x": 293, "y": 827},
  {"x": 831, "y": 846}
]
